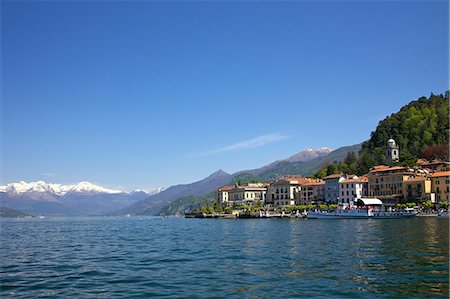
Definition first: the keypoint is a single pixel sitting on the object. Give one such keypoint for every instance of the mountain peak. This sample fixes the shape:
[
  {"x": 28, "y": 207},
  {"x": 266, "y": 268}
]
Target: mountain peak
[
  {"x": 309, "y": 154},
  {"x": 218, "y": 173}
]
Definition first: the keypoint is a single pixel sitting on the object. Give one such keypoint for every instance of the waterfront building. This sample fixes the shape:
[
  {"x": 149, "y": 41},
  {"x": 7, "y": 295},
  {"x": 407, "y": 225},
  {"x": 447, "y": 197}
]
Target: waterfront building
[
  {"x": 332, "y": 186},
  {"x": 311, "y": 193},
  {"x": 417, "y": 189},
  {"x": 222, "y": 194},
  {"x": 352, "y": 189},
  {"x": 386, "y": 182},
  {"x": 436, "y": 165},
  {"x": 282, "y": 192},
  {"x": 440, "y": 182},
  {"x": 392, "y": 152},
  {"x": 247, "y": 194}
]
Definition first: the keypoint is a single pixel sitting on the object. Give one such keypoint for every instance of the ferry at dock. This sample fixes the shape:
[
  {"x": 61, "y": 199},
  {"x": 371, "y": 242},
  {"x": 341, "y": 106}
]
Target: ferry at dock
[{"x": 366, "y": 208}]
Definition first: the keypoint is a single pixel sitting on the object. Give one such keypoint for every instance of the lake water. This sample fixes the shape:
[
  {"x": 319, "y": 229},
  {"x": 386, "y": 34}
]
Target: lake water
[{"x": 241, "y": 258}]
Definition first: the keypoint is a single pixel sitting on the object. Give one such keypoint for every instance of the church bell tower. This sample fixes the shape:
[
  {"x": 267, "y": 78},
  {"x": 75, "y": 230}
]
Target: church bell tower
[{"x": 392, "y": 152}]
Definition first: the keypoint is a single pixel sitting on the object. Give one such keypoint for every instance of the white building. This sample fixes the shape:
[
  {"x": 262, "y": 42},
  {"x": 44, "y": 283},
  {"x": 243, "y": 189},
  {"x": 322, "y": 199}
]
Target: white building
[
  {"x": 247, "y": 194},
  {"x": 222, "y": 194},
  {"x": 332, "y": 187},
  {"x": 351, "y": 189}
]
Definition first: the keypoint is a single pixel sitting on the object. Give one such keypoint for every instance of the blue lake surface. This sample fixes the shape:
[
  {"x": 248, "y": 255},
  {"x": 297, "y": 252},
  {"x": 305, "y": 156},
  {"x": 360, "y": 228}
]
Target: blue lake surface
[{"x": 142, "y": 257}]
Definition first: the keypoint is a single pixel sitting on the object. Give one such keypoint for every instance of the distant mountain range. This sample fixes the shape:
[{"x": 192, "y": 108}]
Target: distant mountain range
[
  {"x": 41, "y": 198},
  {"x": 153, "y": 204},
  {"x": 179, "y": 198},
  {"x": 305, "y": 163}
]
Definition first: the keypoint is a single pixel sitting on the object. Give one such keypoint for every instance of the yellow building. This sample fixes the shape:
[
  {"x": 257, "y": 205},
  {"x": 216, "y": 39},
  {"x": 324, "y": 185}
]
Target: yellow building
[
  {"x": 436, "y": 165},
  {"x": 282, "y": 192},
  {"x": 440, "y": 182},
  {"x": 417, "y": 189},
  {"x": 386, "y": 182}
]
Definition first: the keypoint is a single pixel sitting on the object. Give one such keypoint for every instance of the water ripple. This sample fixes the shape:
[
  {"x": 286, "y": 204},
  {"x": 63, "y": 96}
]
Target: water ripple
[{"x": 201, "y": 258}]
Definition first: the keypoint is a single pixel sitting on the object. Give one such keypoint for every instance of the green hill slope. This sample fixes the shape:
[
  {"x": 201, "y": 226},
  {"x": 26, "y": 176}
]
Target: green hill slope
[
  {"x": 421, "y": 123},
  {"x": 309, "y": 167},
  {"x": 11, "y": 213},
  {"x": 420, "y": 129},
  {"x": 187, "y": 203}
]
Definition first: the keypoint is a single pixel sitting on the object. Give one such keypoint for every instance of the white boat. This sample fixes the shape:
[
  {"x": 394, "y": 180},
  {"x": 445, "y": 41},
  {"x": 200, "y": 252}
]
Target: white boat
[{"x": 367, "y": 208}]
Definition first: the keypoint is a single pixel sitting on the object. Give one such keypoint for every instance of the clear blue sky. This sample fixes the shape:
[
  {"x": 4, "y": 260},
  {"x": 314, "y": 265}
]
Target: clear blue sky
[{"x": 144, "y": 94}]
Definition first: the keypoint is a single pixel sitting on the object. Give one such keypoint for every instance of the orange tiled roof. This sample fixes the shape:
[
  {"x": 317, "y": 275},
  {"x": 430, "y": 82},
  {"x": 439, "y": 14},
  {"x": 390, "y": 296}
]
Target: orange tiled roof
[
  {"x": 332, "y": 176},
  {"x": 376, "y": 167},
  {"x": 441, "y": 174},
  {"x": 387, "y": 169},
  {"x": 437, "y": 162},
  {"x": 300, "y": 180},
  {"x": 364, "y": 178},
  {"x": 292, "y": 178},
  {"x": 317, "y": 183},
  {"x": 422, "y": 161},
  {"x": 360, "y": 180},
  {"x": 226, "y": 188}
]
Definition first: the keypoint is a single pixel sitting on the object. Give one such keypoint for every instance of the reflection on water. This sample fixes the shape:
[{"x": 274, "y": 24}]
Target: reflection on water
[{"x": 262, "y": 258}]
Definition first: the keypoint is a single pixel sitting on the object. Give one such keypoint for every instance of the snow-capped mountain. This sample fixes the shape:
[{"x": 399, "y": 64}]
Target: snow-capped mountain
[
  {"x": 57, "y": 189},
  {"x": 309, "y": 154},
  {"x": 83, "y": 198}
]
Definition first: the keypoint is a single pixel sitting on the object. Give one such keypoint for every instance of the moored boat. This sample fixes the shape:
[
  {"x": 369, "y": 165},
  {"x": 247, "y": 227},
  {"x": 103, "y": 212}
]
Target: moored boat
[{"x": 366, "y": 208}]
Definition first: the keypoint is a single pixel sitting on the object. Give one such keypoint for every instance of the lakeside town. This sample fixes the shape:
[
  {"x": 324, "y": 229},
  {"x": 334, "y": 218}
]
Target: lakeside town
[{"x": 423, "y": 187}]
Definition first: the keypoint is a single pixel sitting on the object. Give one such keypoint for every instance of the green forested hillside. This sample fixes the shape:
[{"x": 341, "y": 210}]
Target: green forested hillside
[
  {"x": 418, "y": 124},
  {"x": 187, "y": 203},
  {"x": 421, "y": 129},
  {"x": 11, "y": 213}
]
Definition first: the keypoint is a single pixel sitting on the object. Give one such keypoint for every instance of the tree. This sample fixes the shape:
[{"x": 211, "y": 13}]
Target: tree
[
  {"x": 406, "y": 159},
  {"x": 421, "y": 123},
  {"x": 331, "y": 169},
  {"x": 438, "y": 151},
  {"x": 444, "y": 205},
  {"x": 323, "y": 207},
  {"x": 321, "y": 173},
  {"x": 350, "y": 159},
  {"x": 426, "y": 205}
]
